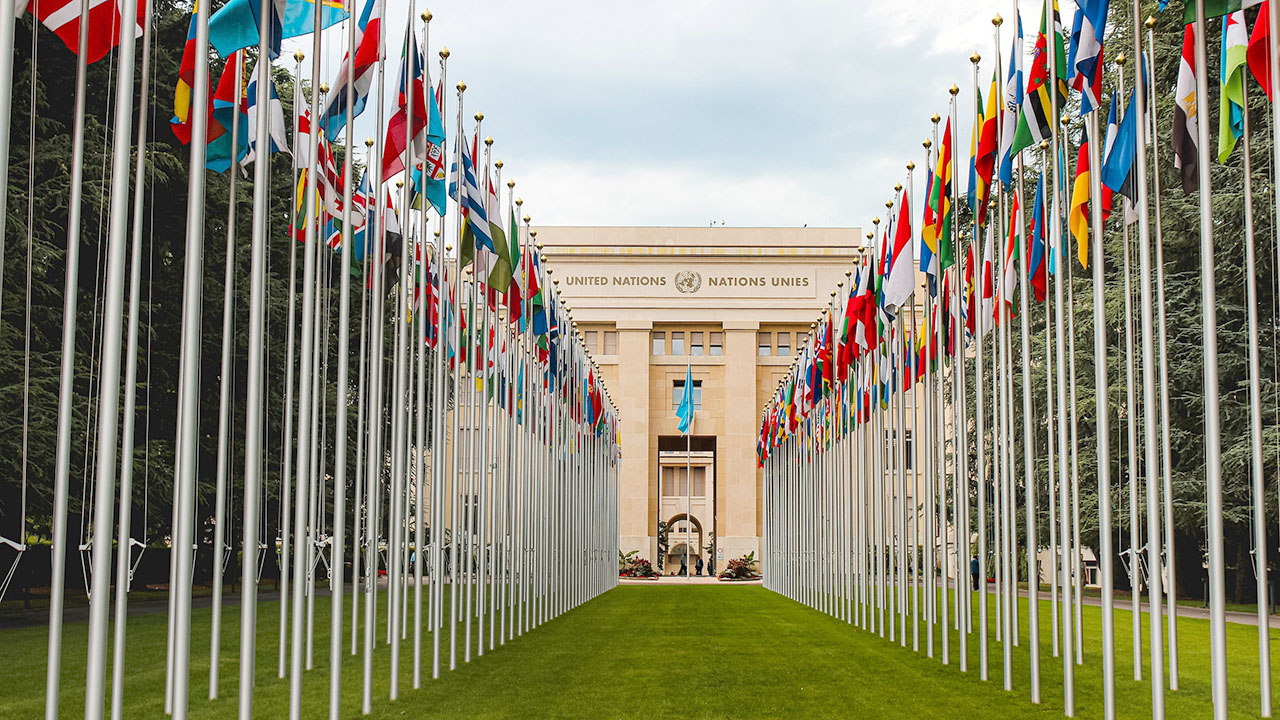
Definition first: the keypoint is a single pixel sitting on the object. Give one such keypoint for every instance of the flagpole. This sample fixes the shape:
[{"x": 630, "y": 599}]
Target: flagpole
[
  {"x": 997, "y": 452},
  {"x": 1102, "y": 423},
  {"x": 124, "y": 541},
  {"x": 1062, "y": 276},
  {"x": 979, "y": 275},
  {"x": 1166, "y": 459},
  {"x": 446, "y": 304},
  {"x": 225, "y": 381},
  {"x": 960, "y": 433}
]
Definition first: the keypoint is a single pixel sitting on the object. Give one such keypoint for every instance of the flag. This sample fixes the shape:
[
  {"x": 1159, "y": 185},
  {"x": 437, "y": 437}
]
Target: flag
[
  {"x": 1260, "y": 47},
  {"x": 63, "y": 18},
  {"x": 1035, "y": 122},
  {"x": 500, "y": 269},
  {"x": 1036, "y": 264},
  {"x": 901, "y": 280},
  {"x": 685, "y": 411},
  {"x": 1079, "y": 219},
  {"x": 1235, "y": 42},
  {"x": 1009, "y": 280},
  {"x": 1215, "y": 8},
  {"x": 357, "y": 70},
  {"x": 475, "y": 222},
  {"x": 1012, "y": 104},
  {"x": 988, "y": 145},
  {"x": 937, "y": 237},
  {"x": 182, "y": 94},
  {"x": 1084, "y": 62},
  {"x": 515, "y": 297},
  {"x": 970, "y": 310},
  {"x": 425, "y": 127},
  {"x": 1186, "y": 125},
  {"x": 230, "y": 109},
  {"x": 235, "y": 26},
  {"x": 988, "y": 284},
  {"x": 1120, "y": 149},
  {"x": 275, "y": 121}
]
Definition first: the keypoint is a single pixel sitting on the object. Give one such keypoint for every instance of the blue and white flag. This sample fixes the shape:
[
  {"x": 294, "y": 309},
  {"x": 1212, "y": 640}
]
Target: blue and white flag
[
  {"x": 275, "y": 122},
  {"x": 685, "y": 411}
]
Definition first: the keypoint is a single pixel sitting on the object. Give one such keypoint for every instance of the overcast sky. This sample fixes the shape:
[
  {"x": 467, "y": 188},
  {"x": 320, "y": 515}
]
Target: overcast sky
[{"x": 699, "y": 111}]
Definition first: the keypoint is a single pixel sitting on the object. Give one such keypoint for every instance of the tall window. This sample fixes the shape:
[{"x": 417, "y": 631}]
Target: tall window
[
  {"x": 764, "y": 344},
  {"x": 695, "y": 343},
  {"x": 677, "y": 343},
  {"x": 589, "y": 338},
  {"x": 659, "y": 343},
  {"x": 677, "y": 394},
  {"x": 717, "y": 344},
  {"x": 610, "y": 342},
  {"x": 784, "y": 344}
]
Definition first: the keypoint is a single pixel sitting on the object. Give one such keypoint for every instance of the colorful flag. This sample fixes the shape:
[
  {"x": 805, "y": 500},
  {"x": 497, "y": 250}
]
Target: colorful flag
[
  {"x": 1235, "y": 50},
  {"x": 1012, "y": 104},
  {"x": 235, "y": 26},
  {"x": 182, "y": 94},
  {"x": 357, "y": 72},
  {"x": 63, "y": 18},
  {"x": 1035, "y": 123},
  {"x": 1012, "y": 250},
  {"x": 276, "y": 137},
  {"x": 1120, "y": 150},
  {"x": 937, "y": 237},
  {"x": 988, "y": 283},
  {"x": 988, "y": 145},
  {"x": 901, "y": 280},
  {"x": 1260, "y": 48},
  {"x": 1084, "y": 62},
  {"x": 230, "y": 109},
  {"x": 1079, "y": 219},
  {"x": 1186, "y": 126},
  {"x": 1036, "y": 258}
]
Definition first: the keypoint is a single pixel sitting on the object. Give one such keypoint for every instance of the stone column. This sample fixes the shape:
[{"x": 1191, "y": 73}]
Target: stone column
[
  {"x": 738, "y": 454},
  {"x": 637, "y": 524}
]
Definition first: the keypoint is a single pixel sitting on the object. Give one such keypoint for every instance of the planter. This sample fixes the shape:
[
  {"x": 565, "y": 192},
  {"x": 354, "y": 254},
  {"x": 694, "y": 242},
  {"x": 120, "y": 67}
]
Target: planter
[
  {"x": 724, "y": 579},
  {"x": 636, "y": 577}
]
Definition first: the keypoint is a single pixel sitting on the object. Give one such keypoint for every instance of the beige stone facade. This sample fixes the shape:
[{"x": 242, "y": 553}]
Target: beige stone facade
[{"x": 731, "y": 303}]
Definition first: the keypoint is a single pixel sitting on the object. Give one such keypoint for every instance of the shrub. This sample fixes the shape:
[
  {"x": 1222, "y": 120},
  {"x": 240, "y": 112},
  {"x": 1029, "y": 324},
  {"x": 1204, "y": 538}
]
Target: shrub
[{"x": 743, "y": 568}]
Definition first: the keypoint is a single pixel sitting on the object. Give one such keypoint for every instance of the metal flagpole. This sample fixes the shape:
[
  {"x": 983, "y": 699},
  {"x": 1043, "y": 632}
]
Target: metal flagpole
[
  {"x": 301, "y": 489},
  {"x": 1155, "y": 612},
  {"x": 189, "y": 375},
  {"x": 1103, "y": 424},
  {"x": 124, "y": 541},
  {"x": 225, "y": 381},
  {"x": 960, "y": 433},
  {"x": 1062, "y": 276},
  {"x": 979, "y": 275},
  {"x": 1131, "y": 426},
  {"x": 66, "y": 387},
  {"x": 256, "y": 365},
  {"x": 287, "y": 444},
  {"x": 421, "y": 287},
  {"x": 462, "y": 353},
  {"x": 1166, "y": 454},
  {"x": 109, "y": 376},
  {"x": 1213, "y": 432}
]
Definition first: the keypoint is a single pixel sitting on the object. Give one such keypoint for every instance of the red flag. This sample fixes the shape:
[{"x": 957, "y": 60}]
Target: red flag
[
  {"x": 63, "y": 18},
  {"x": 1258, "y": 54}
]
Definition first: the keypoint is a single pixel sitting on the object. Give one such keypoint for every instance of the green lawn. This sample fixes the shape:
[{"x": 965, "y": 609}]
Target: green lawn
[{"x": 650, "y": 651}]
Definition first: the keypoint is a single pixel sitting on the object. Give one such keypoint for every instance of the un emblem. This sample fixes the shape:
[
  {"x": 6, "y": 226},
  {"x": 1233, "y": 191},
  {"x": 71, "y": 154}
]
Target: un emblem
[{"x": 688, "y": 281}]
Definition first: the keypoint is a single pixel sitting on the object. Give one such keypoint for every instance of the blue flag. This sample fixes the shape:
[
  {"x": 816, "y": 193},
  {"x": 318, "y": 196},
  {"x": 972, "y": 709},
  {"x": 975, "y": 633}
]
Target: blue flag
[
  {"x": 685, "y": 411},
  {"x": 1121, "y": 149}
]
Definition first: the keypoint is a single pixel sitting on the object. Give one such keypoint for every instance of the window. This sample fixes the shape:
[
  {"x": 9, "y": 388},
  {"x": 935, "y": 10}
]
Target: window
[
  {"x": 695, "y": 343},
  {"x": 677, "y": 394},
  {"x": 908, "y": 445},
  {"x": 784, "y": 344},
  {"x": 677, "y": 343},
  {"x": 659, "y": 343},
  {"x": 589, "y": 337},
  {"x": 764, "y": 344},
  {"x": 717, "y": 344},
  {"x": 610, "y": 342}
]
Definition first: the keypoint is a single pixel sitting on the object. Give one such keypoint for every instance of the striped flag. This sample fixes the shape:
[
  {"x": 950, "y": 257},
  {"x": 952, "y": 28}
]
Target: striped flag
[
  {"x": 1186, "y": 126},
  {"x": 357, "y": 71},
  {"x": 63, "y": 18}
]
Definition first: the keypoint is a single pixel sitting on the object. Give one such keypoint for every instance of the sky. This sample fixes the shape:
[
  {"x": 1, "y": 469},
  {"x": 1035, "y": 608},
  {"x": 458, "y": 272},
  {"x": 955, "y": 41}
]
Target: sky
[{"x": 746, "y": 113}]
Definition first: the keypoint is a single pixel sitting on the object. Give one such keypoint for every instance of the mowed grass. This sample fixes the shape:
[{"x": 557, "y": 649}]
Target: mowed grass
[{"x": 647, "y": 651}]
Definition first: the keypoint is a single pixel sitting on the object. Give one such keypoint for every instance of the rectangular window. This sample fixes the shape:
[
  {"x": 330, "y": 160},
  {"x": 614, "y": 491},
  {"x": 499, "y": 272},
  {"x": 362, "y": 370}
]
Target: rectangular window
[
  {"x": 677, "y": 394},
  {"x": 764, "y": 344},
  {"x": 610, "y": 342},
  {"x": 699, "y": 483},
  {"x": 784, "y": 344},
  {"x": 909, "y": 445},
  {"x": 659, "y": 343},
  {"x": 717, "y": 344},
  {"x": 677, "y": 343},
  {"x": 589, "y": 338},
  {"x": 695, "y": 343}
]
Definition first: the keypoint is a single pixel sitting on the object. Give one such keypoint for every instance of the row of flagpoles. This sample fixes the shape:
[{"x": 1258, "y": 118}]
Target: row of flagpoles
[
  {"x": 485, "y": 464},
  {"x": 889, "y": 449}
]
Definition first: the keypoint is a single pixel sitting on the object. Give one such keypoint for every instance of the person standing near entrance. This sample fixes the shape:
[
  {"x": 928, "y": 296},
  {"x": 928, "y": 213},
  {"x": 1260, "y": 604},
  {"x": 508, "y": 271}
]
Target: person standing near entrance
[
  {"x": 973, "y": 571},
  {"x": 698, "y": 566},
  {"x": 684, "y": 565}
]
